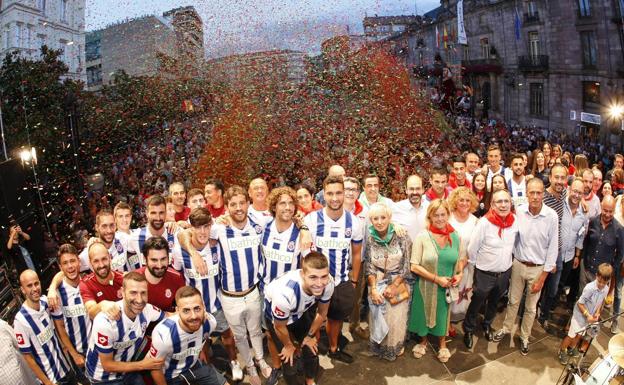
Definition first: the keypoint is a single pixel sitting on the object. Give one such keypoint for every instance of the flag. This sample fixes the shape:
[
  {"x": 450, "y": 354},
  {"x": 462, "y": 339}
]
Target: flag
[
  {"x": 517, "y": 25},
  {"x": 437, "y": 37},
  {"x": 445, "y": 38},
  {"x": 461, "y": 30}
]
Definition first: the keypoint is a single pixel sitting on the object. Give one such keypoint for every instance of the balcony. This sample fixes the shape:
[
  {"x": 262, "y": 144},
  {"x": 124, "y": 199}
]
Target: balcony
[
  {"x": 482, "y": 66},
  {"x": 531, "y": 18},
  {"x": 533, "y": 63}
]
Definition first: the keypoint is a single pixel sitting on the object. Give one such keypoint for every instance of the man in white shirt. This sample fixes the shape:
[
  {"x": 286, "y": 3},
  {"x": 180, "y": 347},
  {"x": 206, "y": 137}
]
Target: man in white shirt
[
  {"x": 105, "y": 230},
  {"x": 517, "y": 183},
  {"x": 371, "y": 193},
  {"x": 411, "y": 212},
  {"x": 123, "y": 220},
  {"x": 590, "y": 198},
  {"x": 259, "y": 208},
  {"x": 535, "y": 257},
  {"x": 472, "y": 166}
]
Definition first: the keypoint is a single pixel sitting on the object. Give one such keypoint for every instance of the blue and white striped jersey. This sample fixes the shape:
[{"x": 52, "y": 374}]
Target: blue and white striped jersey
[
  {"x": 280, "y": 252},
  {"x": 285, "y": 298},
  {"x": 258, "y": 216},
  {"x": 74, "y": 315},
  {"x": 240, "y": 255},
  {"x": 136, "y": 258},
  {"x": 334, "y": 238},
  {"x": 118, "y": 252},
  {"x": 178, "y": 348},
  {"x": 35, "y": 334},
  {"x": 122, "y": 338},
  {"x": 208, "y": 284}
]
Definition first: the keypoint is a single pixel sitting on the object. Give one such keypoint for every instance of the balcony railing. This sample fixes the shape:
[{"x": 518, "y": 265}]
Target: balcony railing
[
  {"x": 530, "y": 18},
  {"x": 482, "y": 66},
  {"x": 533, "y": 63}
]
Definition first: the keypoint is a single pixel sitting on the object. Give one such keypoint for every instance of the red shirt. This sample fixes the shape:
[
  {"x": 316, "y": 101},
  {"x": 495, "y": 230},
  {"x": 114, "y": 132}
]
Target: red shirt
[
  {"x": 183, "y": 215},
  {"x": 162, "y": 295},
  {"x": 92, "y": 290},
  {"x": 216, "y": 212}
]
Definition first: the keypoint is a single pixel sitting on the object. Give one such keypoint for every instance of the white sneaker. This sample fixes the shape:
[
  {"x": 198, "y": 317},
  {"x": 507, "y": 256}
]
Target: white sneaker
[
  {"x": 254, "y": 378},
  {"x": 265, "y": 369},
  {"x": 614, "y": 327},
  {"x": 237, "y": 372}
]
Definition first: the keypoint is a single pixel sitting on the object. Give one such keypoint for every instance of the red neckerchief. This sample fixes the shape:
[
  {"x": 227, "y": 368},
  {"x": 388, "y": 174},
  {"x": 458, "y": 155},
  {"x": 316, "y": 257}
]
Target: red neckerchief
[
  {"x": 446, "y": 232},
  {"x": 480, "y": 195},
  {"x": 453, "y": 182},
  {"x": 496, "y": 220},
  {"x": 431, "y": 195},
  {"x": 357, "y": 208}
]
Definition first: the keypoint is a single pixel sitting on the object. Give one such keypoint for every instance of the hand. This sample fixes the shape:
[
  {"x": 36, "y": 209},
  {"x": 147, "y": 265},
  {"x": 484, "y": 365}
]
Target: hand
[
  {"x": 576, "y": 262},
  {"x": 78, "y": 359},
  {"x": 390, "y": 291},
  {"x": 18, "y": 229},
  {"x": 305, "y": 240},
  {"x": 199, "y": 263},
  {"x": 91, "y": 241},
  {"x": 537, "y": 286},
  {"x": 171, "y": 227},
  {"x": 111, "y": 309},
  {"x": 457, "y": 279},
  {"x": 183, "y": 224},
  {"x": 53, "y": 300},
  {"x": 376, "y": 298},
  {"x": 592, "y": 318},
  {"x": 399, "y": 230},
  {"x": 224, "y": 219},
  {"x": 310, "y": 343},
  {"x": 287, "y": 354},
  {"x": 150, "y": 363},
  {"x": 202, "y": 357},
  {"x": 554, "y": 270},
  {"x": 298, "y": 218},
  {"x": 443, "y": 281}
]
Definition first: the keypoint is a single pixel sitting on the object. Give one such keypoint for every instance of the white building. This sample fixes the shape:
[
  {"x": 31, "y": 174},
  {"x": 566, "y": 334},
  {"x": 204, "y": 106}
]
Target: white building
[{"x": 26, "y": 25}]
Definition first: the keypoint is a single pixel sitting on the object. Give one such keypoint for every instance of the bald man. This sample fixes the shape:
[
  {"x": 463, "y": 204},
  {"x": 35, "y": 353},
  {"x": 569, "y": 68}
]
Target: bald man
[
  {"x": 604, "y": 244},
  {"x": 259, "y": 209},
  {"x": 334, "y": 170},
  {"x": 36, "y": 338}
]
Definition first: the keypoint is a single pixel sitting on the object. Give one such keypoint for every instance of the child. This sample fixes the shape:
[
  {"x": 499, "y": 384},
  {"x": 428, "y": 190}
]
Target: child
[{"x": 587, "y": 309}]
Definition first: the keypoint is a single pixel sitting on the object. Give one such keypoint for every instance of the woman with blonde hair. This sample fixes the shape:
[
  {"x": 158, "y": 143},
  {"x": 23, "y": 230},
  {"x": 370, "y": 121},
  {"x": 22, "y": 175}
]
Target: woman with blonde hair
[{"x": 438, "y": 259}]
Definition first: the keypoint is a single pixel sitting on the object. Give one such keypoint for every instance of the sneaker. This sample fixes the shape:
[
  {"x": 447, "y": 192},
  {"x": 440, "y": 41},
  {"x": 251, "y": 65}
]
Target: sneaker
[
  {"x": 563, "y": 357},
  {"x": 614, "y": 327},
  {"x": 276, "y": 374},
  {"x": 524, "y": 347},
  {"x": 254, "y": 378},
  {"x": 361, "y": 333},
  {"x": 265, "y": 369},
  {"x": 499, "y": 335},
  {"x": 237, "y": 372},
  {"x": 341, "y": 356},
  {"x": 573, "y": 352}
]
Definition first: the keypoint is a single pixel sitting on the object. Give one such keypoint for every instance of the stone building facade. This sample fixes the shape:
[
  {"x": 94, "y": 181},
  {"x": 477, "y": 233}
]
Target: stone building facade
[
  {"x": 27, "y": 25},
  {"x": 552, "y": 64}
]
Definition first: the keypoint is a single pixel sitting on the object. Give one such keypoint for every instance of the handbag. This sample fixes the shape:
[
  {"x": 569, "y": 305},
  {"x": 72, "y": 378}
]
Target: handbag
[{"x": 402, "y": 289}]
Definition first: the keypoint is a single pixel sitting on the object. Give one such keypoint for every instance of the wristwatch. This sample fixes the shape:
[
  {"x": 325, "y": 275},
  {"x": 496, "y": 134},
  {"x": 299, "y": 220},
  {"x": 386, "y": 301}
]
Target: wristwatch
[{"x": 311, "y": 335}]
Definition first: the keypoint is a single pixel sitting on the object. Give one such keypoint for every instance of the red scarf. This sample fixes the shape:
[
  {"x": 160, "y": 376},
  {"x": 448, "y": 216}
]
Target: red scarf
[
  {"x": 496, "y": 220},
  {"x": 453, "y": 182},
  {"x": 431, "y": 195},
  {"x": 480, "y": 195},
  {"x": 445, "y": 231}
]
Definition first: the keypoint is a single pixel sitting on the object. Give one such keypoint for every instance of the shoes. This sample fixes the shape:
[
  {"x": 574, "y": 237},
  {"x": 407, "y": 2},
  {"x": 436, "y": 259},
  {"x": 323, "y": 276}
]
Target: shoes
[
  {"x": 544, "y": 323},
  {"x": 254, "y": 378},
  {"x": 237, "y": 372},
  {"x": 614, "y": 327},
  {"x": 487, "y": 332},
  {"x": 341, "y": 356},
  {"x": 419, "y": 350},
  {"x": 524, "y": 347},
  {"x": 265, "y": 369},
  {"x": 361, "y": 333},
  {"x": 274, "y": 377},
  {"x": 443, "y": 355},
  {"x": 573, "y": 352},
  {"x": 499, "y": 335},
  {"x": 563, "y": 357},
  {"x": 468, "y": 339}
]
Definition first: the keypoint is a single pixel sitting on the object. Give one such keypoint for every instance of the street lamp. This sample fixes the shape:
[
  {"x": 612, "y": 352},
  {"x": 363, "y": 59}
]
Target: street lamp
[
  {"x": 616, "y": 111},
  {"x": 28, "y": 155}
]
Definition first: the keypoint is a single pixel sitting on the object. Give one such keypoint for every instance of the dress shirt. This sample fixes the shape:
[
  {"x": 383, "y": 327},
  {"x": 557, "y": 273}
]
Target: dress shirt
[
  {"x": 537, "y": 237},
  {"x": 14, "y": 369},
  {"x": 594, "y": 207},
  {"x": 489, "y": 252},
  {"x": 413, "y": 219},
  {"x": 573, "y": 230},
  {"x": 603, "y": 245},
  {"x": 380, "y": 198}
]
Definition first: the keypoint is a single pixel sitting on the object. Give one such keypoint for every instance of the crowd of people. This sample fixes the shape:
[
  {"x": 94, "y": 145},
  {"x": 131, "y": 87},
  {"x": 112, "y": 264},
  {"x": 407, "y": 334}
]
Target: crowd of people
[{"x": 238, "y": 266}]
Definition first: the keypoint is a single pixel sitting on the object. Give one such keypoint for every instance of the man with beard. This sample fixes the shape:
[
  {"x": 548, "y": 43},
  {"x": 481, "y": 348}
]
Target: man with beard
[
  {"x": 556, "y": 193},
  {"x": 113, "y": 343},
  {"x": 258, "y": 192},
  {"x": 181, "y": 340},
  {"x": 458, "y": 175},
  {"x": 597, "y": 184},
  {"x": 517, "y": 184},
  {"x": 337, "y": 234},
  {"x": 291, "y": 317},
  {"x": 207, "y": 284},
  {"x": 103, "y": 286},
  {"x": 105, "y": 230},
  {"x": 162, "y": 281},
  {"x": 590, "y": 198},
  {"x": 70, "y": 318},
  {"x": 195, "y": 199},
  {"x": 334, "y": 170},
  {"x": 371, "y": 193},
  {"x": 213, "y": 192},
  {"x": 156, "y": 213},
  {"x": 410, "y": 213},
  {"x": 123, "y": 220},
  {"x": 177, "y": 192},
  {"x": 35, "y": 335}
]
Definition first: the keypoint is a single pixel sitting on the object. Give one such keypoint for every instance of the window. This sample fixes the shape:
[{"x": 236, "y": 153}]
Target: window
[
  {"x": 41, "y": 41},
  {"x": 63, "y": 11},
  {"x": 536, "y": 99},
  {"x": 531, "y": 9},
  {"x": 534, "y": 45},
  {"x": 29, "y": 42},
  {"x": 485, "y": 48},
  {"x": 588, "y": 45},
  {"x": 584, "y": 9},
  {"x": 591, "y": 96},
  {"x": 620, "y": 4},
  {"x": 398, "y": 28},
  {"x": 18, "y": 35},
  {"x": 41, "y": 4},
  {"x": 466, "y": 53},
  {"x": 7, "y": 37},
  {"x": 94, "y": 75},
  {"x": 63, "y": 47}
]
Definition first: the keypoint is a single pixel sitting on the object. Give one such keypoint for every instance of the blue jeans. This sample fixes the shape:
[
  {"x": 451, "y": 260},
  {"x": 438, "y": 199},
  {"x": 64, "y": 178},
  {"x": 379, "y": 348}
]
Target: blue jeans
[
  {"x": 69, "y": 379},
  {"x": 551, "y": 288},
  {"x": 199, "y": 374},
  {"x": 617, "y": 295},
  {"x": 128, "y": 379}
]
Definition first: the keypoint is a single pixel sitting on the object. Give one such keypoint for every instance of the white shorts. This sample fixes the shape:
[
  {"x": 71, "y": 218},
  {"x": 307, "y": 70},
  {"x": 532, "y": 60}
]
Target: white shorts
[{"x": 575, "y": 327}]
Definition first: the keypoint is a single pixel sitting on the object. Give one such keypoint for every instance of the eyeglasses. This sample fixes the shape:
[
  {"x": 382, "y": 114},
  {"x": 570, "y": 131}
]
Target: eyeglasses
[
  {"x": 351, "y": 190},
  {"x": 502, "y": 202}
]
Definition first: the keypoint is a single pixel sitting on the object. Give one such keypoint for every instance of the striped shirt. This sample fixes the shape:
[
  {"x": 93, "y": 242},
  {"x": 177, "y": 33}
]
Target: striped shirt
[
  {"x": 137, "y": 240},
  {"x": 122, "y": 338},
  {"x": 333, "y": 239},
  {"x": 557, "y": 205},
  {"x": 208, "y": 284},
  {"x": 74, "y": 315},
  {"x": 285, "y": 298},
  {"x": 240, "y": 255},
  {"x": 178, "y": 348},
  {"x": 34, "y": 331},
  {"x": 280, "y": 252},
  {"x": 118, "y": 252}
]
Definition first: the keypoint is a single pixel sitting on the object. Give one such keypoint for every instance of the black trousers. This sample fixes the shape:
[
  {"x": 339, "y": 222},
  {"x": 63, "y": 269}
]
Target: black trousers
[
  {"x": 488, "y": 288},
  {"x": 298, "y": 331}
]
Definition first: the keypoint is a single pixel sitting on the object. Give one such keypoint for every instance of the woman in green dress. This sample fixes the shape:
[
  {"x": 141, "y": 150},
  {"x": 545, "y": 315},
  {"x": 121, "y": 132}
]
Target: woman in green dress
[{"x": 438, "y": 259}]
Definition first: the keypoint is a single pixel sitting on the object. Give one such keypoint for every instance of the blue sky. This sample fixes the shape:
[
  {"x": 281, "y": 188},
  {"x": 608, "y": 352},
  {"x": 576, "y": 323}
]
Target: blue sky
[{"x": 242, "y": 25}]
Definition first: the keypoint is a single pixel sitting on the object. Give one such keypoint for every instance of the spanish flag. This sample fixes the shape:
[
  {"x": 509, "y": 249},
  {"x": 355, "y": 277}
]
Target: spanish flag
[{"x": 445, "y": 38}]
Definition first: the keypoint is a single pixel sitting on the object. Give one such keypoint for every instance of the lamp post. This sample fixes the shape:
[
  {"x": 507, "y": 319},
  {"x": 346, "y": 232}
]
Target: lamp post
[{"x": 29, "y": 157}]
